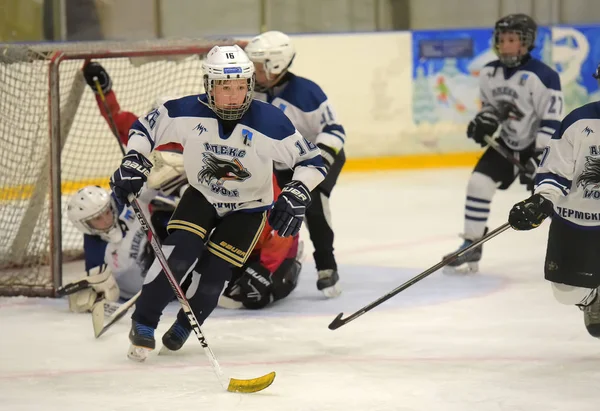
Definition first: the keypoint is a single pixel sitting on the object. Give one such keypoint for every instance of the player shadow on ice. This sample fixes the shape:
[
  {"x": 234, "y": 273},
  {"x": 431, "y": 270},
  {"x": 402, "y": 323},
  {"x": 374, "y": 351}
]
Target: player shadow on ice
[{"x": 362, "y": 285}]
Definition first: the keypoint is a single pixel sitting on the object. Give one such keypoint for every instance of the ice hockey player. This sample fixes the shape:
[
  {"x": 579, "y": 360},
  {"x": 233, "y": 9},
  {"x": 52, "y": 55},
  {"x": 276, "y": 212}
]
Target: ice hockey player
[
  {"x": 117, "y": 254},
  {"x": 568, "y": 189},
  {"x": 230, "y": 142},
  {"x": 271, "y": 272},
  {"x": 523, "y": 97},
  {"x": 307, "y": 106}
]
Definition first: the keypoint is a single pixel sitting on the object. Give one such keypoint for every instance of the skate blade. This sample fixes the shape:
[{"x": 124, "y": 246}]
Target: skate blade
[
  {"x": 165, "y": 351},
  {"x": 463, "y": 269},
  {"x": 137, "y": 353},
  {"x": 251, "y": 385},
  {"x": 333, "y": 291}
]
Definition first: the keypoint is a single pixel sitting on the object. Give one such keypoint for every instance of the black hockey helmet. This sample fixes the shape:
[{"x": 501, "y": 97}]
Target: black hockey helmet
[
  {"x": 596, "y": 74},
  {"x": 521, "y": 24}
]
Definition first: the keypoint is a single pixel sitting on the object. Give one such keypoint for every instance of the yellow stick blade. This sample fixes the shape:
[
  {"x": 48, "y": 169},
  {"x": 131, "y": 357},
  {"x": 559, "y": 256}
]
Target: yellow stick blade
[{"x": 252, "y": 385}]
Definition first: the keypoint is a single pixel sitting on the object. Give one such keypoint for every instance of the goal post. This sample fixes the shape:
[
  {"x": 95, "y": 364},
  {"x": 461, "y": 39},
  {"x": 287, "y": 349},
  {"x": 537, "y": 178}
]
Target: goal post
[{"x": 54, "y": 140}]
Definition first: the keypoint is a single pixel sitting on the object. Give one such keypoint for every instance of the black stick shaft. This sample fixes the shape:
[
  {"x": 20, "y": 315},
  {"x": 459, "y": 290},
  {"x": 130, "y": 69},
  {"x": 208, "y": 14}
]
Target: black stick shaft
[
  {"x": 505, "y": 153},
  {"x": 339, "y": 321}
]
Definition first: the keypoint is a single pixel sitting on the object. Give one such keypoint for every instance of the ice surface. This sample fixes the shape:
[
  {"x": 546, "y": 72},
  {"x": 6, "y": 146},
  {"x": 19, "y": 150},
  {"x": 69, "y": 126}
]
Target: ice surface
[{"x": 493, "y": 341}]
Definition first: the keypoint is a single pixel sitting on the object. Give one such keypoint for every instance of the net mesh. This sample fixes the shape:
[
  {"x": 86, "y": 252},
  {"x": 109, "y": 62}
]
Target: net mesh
[{"x": 141, "y": 73}]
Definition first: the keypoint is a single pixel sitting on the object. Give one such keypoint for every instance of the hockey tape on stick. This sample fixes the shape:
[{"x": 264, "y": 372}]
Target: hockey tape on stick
[
  {"x": 230, "y": 384},
  {"x": 339, "y": 321}
]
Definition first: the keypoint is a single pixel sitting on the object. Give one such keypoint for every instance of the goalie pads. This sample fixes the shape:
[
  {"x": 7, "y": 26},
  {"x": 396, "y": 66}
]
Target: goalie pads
[
  {"x": 168, "y": 174},
  {"x": 98, "y": 286}
]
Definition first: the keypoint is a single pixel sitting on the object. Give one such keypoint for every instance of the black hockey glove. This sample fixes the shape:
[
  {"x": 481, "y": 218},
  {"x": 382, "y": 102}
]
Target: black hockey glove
[
  {"x": 528, "y": 177},
  {"x": 328, "y": 155},
  {"x": 530, "y": 213},
  {"x": 484, "y": 124},
  {"x": 288, "y": 212},
  {"x": 130, "y": 176},
  {"x": 95, "y": 70},
  {"x": 255, "y": 287}
]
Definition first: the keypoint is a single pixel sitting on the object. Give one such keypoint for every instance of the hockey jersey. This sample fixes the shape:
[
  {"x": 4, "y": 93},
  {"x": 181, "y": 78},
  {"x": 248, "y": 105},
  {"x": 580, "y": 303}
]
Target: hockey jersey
[
  {"x": 232, "y": 170},
  {"x": 126, "y": 259},
  {"x": 569, "y": 171},
  {"x": 528, "y": 98},
  {"x": 307, "y": 106},
  {"x": 124, "y": 119}
]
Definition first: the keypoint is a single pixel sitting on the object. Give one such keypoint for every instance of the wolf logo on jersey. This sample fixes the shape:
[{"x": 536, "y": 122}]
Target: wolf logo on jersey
[
  {"x": 590, "y": 174},
  {"x": 221, "y": 170}
]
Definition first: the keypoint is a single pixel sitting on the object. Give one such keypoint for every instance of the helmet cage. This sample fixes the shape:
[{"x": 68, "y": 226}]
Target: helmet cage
[
  {"x": 109, "y": 232},
  {"x": 233, "y": 113}
]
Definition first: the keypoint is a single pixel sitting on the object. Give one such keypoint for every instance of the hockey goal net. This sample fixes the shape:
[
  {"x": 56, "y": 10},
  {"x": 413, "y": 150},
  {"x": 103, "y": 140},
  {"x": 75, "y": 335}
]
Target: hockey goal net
[{"x": 53, "y": 141}]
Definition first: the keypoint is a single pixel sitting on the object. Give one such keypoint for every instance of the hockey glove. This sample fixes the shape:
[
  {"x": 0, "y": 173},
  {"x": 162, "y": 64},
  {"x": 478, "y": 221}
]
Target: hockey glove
[
  {"x": 94, "y": 70},
  {"x": 484, "y": 124},
  {"x": 130, "y": 176},
  {"x": 288, "y": 212},
  {"x": 255, "y": 287},
  {"x": 528, "y": 177},
  {"x": 328, "y": 155},
  {"x": 530, "y": 213}
]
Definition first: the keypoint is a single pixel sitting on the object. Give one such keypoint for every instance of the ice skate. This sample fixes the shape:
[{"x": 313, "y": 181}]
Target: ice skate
[
  {"x": 591, "y": 317},
  {"x": 467, "y": 263},
  {"x": 142, "y": 342},
  {"x": 328, "y": 283},
  {"x": 175, "y": 337}
]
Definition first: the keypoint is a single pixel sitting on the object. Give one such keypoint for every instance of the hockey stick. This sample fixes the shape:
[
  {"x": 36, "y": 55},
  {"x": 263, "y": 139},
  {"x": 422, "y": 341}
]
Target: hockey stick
[
  {"x": 505, "y": 153},
  {"x": 72, "y": 288},
  {"x": 111, "y": 120},
  {"x": 339, "y": 321},
  {"x": 230, "y": 384},
  {"x": 98, "y": 320}
]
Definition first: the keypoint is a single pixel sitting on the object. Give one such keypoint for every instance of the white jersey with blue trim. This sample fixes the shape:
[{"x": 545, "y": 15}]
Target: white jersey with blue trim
[
  {"x": 124, "y": 258},
  {"x": 569, "y": 172},
  {"x": 233, "y": 171},
  {"x": 528, "y": 98},
  {"x": 307, "y": 106}
]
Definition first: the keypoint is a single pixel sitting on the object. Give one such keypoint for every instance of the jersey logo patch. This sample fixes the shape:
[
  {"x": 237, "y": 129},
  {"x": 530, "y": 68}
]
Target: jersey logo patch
[
  {"x": 523, "y": 79},
  {"x": 247, "y": 134},
  {"x": 128, "y": 215},
  {"x": 217, "y": 170},
  {"x": 200, "y": 128},
  {"x": 588, "y": 131},
  {"x": 590, "y": 176}
]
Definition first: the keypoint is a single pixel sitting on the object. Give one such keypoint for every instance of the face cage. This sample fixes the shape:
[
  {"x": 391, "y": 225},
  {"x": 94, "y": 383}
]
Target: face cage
[
  {"x": 512, "y": 61},
  {"x": 96, "y": 231},
  {"x": 232, "y": 113}
]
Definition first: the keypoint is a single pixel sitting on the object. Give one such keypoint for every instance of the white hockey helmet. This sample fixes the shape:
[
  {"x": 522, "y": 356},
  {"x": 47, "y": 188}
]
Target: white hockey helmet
[
  {"x": 228, "y": 63},
  {"x": 274, "y": 50},
  {"x": 89, "y": 203}
]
